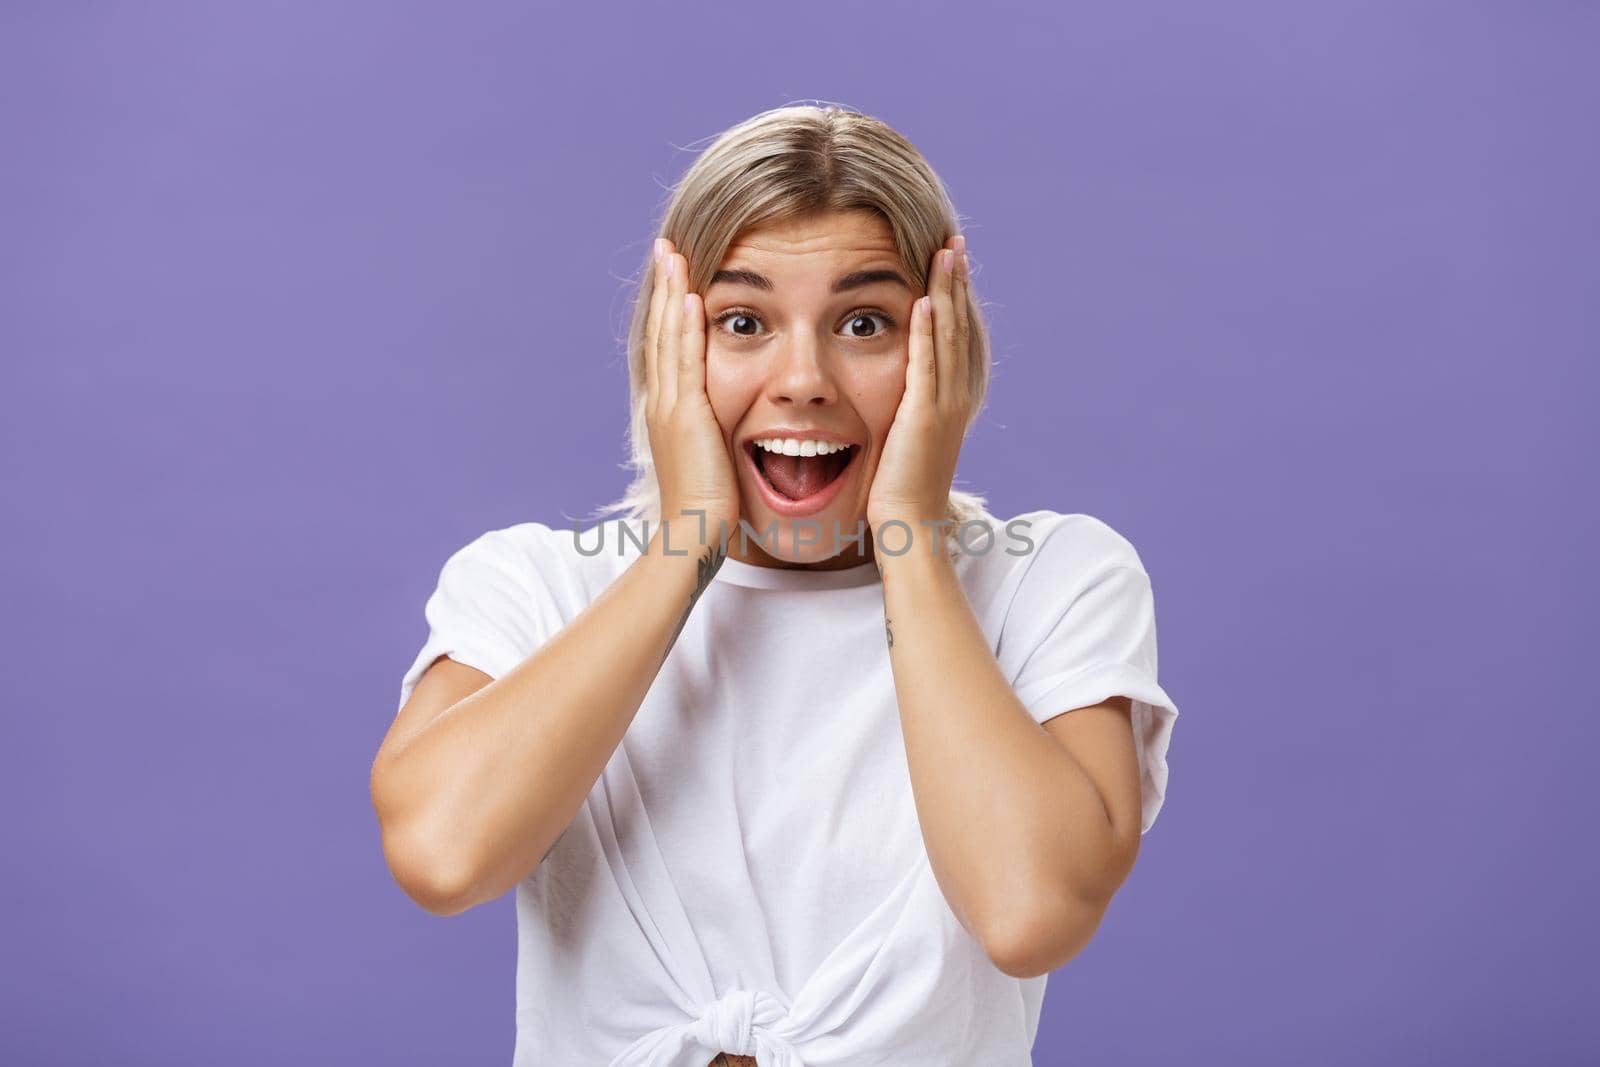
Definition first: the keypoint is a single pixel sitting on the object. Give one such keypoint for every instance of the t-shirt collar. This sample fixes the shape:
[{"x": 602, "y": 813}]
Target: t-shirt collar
[{"x": 737, "y": 572}]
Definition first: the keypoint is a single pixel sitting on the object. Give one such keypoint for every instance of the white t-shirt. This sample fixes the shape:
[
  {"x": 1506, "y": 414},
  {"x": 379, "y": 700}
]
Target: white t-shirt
[{"x": 748, "y": 873}]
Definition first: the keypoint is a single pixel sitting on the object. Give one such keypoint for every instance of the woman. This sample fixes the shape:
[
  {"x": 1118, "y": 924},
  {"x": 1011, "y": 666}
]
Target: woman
[{"x": 777, "y": 763}]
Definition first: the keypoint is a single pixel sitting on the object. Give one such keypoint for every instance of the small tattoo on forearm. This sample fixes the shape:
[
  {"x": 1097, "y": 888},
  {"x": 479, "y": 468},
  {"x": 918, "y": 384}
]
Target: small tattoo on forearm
[
  {"x": 709, "y": 564},
  {"x": 705, "y": 569},
  {"x": 888, "y": 630}
]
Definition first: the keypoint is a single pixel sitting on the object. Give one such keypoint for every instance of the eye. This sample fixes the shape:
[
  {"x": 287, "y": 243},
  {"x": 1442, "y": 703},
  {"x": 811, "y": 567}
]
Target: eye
[
  {"x": 735, "y": 313},
  {"x": 850, "y": 321},
  {"x": 863, "y": 313}
]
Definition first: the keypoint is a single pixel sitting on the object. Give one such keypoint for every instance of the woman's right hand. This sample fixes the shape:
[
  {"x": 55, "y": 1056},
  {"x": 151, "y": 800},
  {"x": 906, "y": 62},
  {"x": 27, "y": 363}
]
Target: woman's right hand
[{"x": 694, "y": 470}]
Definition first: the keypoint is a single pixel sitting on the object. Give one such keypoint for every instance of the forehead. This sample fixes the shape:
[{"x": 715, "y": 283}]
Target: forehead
[
  {"x": 837, "y": 234},
  {"x": 854, "y": 250}
]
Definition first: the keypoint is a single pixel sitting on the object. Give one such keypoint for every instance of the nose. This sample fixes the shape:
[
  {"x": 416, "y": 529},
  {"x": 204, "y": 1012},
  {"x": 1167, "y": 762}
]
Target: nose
[{"x": 801, "y": 374}]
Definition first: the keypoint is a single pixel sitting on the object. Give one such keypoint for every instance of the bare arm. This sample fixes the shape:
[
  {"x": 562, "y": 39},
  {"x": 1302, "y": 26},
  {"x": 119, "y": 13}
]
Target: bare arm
[
  {"x": 1028, "y": 835},
  {"x": 475, "y": 782},
  {"x": 473, "y": 788}
]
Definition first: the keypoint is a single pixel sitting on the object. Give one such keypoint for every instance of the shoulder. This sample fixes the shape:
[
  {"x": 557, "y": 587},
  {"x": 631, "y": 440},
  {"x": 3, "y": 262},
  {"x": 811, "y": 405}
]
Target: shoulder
[
  {"x": 1058, "y": 544},
  {"x": 528, "y": 579},
  {"x": 530, "y": 541},
  {"x": 525, "y": 553},
  {"x": 1036, "y": 561},
  {"x": 508, "y": 549}
]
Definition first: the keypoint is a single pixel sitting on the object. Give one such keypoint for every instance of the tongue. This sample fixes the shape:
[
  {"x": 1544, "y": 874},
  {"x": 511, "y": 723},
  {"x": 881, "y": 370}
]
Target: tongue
[{"x": 797, "y": 477}]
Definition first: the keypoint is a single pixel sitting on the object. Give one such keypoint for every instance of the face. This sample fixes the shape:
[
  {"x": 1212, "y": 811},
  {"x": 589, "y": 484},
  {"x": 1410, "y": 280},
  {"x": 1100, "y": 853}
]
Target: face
[{"x": 806, "y": 330}]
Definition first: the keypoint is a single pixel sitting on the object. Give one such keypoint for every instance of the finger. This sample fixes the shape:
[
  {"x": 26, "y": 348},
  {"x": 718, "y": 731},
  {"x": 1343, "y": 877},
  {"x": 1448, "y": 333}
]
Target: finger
[
  {"x": 920, "y": 367},
  {"x": 963, "y": 301},
  {"x": 944, "y": 318},
  {"x": 671, "y": 329},
  {"x": 652, "y": 326},
  {"x": 693, "y": 382}
]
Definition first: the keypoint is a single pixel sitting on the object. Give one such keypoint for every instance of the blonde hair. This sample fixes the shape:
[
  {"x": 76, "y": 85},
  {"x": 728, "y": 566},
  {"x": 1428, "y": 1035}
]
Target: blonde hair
[{"x": 788, "y": 163}]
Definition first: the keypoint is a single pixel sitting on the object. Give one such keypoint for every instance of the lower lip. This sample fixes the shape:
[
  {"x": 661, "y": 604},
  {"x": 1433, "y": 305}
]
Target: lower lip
[{"x": 796, "y": 509}]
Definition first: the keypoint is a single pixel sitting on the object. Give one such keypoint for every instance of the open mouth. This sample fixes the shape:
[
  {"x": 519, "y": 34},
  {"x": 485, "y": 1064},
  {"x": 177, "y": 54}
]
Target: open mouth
[{"x": 800, "y": 479}]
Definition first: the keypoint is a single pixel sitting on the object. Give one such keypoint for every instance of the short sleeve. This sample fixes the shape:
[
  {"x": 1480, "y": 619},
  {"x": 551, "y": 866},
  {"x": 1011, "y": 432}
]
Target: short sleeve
[
  {"x": 1081, "y": 629},
  {"x": 490, "y": 608}
]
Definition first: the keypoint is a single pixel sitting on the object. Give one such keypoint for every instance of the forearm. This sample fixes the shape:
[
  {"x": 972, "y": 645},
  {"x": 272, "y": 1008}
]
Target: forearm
[
  {"x": 485, "y": 790},
  {"x": 1015, "y": 829}
]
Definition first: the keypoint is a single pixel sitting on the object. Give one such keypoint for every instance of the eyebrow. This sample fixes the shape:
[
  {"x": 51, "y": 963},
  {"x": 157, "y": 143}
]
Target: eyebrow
[{"x": 854, "y": 280}]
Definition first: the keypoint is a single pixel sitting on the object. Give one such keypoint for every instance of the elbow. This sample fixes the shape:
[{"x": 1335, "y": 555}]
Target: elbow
[
  {"x": 437, "y": 888},
  {"x": 444, "y": 897},
  {"x": 1035, "y": 941},
  {"x": 1048, "y": 929},
  {"x": 438, "y": 883},
  {"x": 435, "y": 879}
]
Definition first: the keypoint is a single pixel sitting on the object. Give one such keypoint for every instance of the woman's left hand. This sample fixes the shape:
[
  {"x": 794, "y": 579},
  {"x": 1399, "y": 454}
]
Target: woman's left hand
[{"x": 918, "y": 462}]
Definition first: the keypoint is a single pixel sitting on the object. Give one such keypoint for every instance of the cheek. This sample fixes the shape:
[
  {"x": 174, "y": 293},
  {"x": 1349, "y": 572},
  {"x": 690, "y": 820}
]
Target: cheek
[
  {"x": 876, "y": 393},
  {"x": 730, "y": 387}
]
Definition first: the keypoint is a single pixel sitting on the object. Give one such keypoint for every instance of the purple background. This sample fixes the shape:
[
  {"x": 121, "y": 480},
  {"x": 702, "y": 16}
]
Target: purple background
[{"x": 299, "y": 298}]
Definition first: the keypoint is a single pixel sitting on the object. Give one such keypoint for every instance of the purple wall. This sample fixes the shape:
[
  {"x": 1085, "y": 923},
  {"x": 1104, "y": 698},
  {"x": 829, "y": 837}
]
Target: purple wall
[{"x": 299, "y": 298}]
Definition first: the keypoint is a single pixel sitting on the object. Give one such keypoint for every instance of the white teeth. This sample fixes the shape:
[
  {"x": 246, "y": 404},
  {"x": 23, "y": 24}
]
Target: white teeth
[{"x": 790, "y": 446}]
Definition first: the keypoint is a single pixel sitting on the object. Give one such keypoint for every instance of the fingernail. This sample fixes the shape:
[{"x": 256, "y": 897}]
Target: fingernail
[
  {"x": 961, "y": 243},
  {"x": 655, "y": 249},
  {"x": 948, "y": 260},
  {"x": 966, "y": 267}
]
